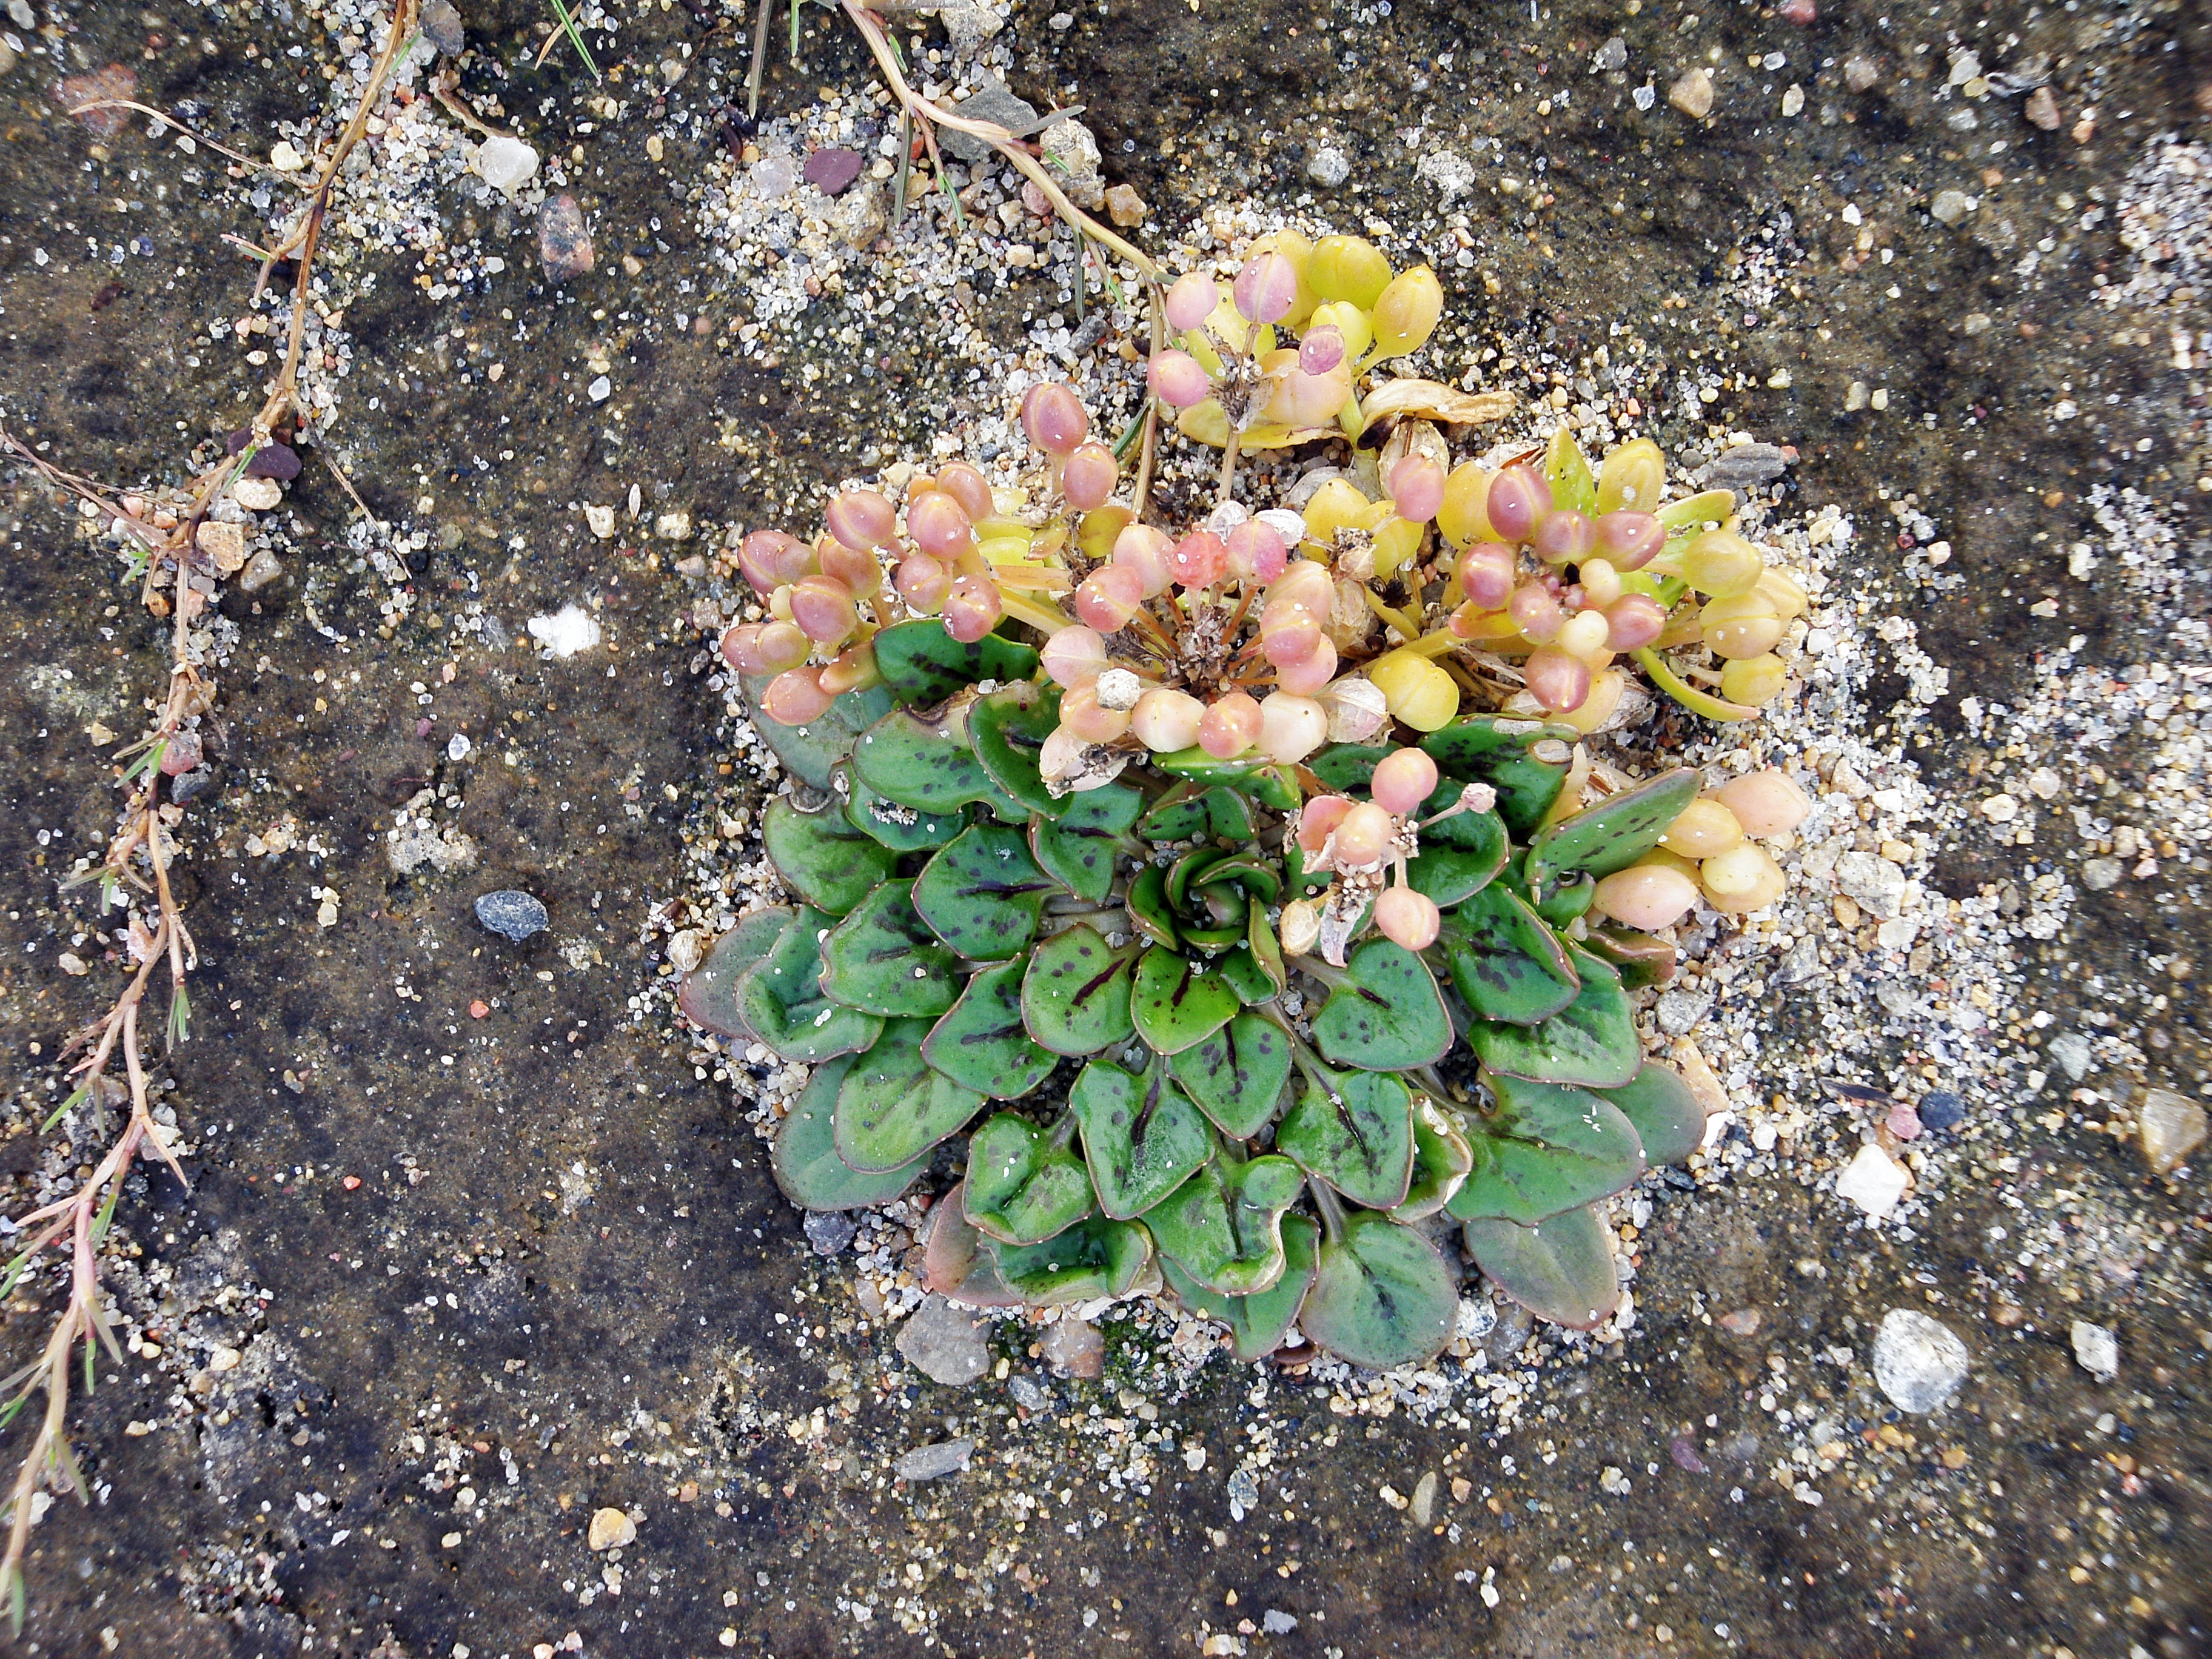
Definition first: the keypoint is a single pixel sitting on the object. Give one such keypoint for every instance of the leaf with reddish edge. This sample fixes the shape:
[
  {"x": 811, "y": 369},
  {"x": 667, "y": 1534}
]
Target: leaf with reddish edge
[
  {"x": 709, "y": 994},
  {"x": 954, "y": 1263},
  {"x": 804, "y": 1160}
]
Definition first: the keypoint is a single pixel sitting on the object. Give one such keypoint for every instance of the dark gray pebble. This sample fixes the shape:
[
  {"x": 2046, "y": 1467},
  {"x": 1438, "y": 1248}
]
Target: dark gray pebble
[
  {"x": 1942, "y": 1110},
  {"x": 511, "y": 915}
]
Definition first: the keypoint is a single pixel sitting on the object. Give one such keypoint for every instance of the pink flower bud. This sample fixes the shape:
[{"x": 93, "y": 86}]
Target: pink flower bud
[
  {"x": 1267, "y": 288},
  {"x": 1197, "y": 560},
  {"x": 822, "y": 608},
  {"x": 972, "y": 609},
  {"x": 1306, "y": 677},
  {"x": 1558, "y": 679},
  {"x": 1289, "y": 632},
  {"x": 769, "y": 558},
  {"x": 1629, "y": 541},
  {"x": 922, "y": 582},
  {"x": 1536, "y": 612},
  {"x": 1485, "y": 576},
  {"x": 1365, "y": 835},
  {"x": 1417, "y": 488},
  {"x": 968, "y": 487},
  {"x": 939, "y": 526},
  {"x": 1407, "y": 918},
  {"x": 1231, "y": 727},
  {"x": 861, "y": 519},
  {"x": 1633, "y": 621},
  {"x": 1145, "y": 549},
  {"x": 855, "y": 566},
  {"x": 852, "y": 670},
  {"x": 1166, "y": 720},
  {"x": 1256, "y": 553},
  {"x": 1519, "y": 500},
  {"x": 1178, "y": 380},
  {"x": 1090, "y": 475},
  {"x": 1403, "y": 779},
  {"x": 1191, "y": 302},
  {"x": 1321, "y": 350},
  {"x": 1307, "y": 582},
  {"x": 1318, "y": 820},
  {"x": 1108, "y": 597},
  {"x": 765, "y": 647},
  {"x": 1054, "y": 417},
  {"x": 1565, "y": 536},
  {"x": 1081, "y": 712},
  {"x": 796, "y": 696},
  {"x": 1073, "y": 655}
]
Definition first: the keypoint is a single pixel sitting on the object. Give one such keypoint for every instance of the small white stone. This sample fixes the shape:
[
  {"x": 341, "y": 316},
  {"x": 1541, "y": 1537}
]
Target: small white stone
[
  {"x": 256, "y": 494},
  {"x": 600, "y": 389},
  {"x": 1951, "y": 207},
  {"x": 611, "y": 1529},
  {"x": 2096, "y": 1350},
  {"x": 1118, "y": 688},
  {"x": 601, "y": 520},
  {"x": 284, "y": 158},
  {"x": 570, "y": 629},
  {"x": 1918, "y": 1362},
  {"x": 1874, "y": 1180},
  {"x": 505, "y": 164}
]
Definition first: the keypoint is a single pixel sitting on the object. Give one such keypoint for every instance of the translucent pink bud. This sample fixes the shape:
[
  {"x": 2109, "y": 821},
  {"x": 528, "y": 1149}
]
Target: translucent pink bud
[
  {"x": 1307, "y": 582},
  {"x": 1054, "y": 417},
  {"x": 738, "y": 647},
  {"x": 1536, "y": 613},
  {"x": 851, "y": 669},
  {"x": 1306, "y": 677},
  {"x": 1191, "y": 302},
  {"x": 796, "y": 696},
  {"x": 861, "y": 519},
  {"x": 1633, "y": 621},
  {"x": 1519, "y": 499},
  {"x": 1485, "y": 576},
  {"x": 1558, "y": 679},
  {"x": 1199, "y": 560},
  {"x": 1108, "y": 597},
  {"x": 765, "y": 647},
  {"x": 972, "y": 609},
  {"x": 769, "y": 559},
  {"x": 1166, "y": 720},
  {"x": 855, "y": 566},
  {"x": 1318, "y": 819},
  {"x": 1565, "y": 536},
  {"x": 1288, "y": 632},
  {"x": 1073, "y": 655},
  {"x": 1145, "y": 549},
  {"x": 968, "y": 487},
  {"x": 1403, "y": 779},
  {"x": 822, "y": 608},
  {"x": 1365, "y": 835},
  {"x": 939, "y": 526},
  {"x": 1231, "y": 727},
  {"x": 1407, "y": 918},
  {"x": 1321, "y": 350},
  {"x": 1090, "y": 475},
  {"x": 1178, "y": 380},
  {"x": 922, "y": 582},
  {"x": 1081, "y": 712},
  {"x": 1267, "y": 288},
  {"x": 1417, "y": 488},
  {"x": 1629, "y": 541},
  {"x": 1256, "y": 553}
]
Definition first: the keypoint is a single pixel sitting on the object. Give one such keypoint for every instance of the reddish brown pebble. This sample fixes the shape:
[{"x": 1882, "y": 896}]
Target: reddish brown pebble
[
  {"x": 564, "y": 242},
  {"x": 2042, "y": 109},
  {"x": 832, "y": 171},
  {"x": 479, "y": 1010},
  {"x": 351, "y": 1183},
  {"x": 1800, "y": 12},
  {"x": 1744, "y": 1321},
  {"x": 113, "y": 81}
]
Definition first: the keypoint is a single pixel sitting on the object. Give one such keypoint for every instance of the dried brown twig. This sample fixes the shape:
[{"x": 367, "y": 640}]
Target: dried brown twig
[{"x": 178, "y": 584}]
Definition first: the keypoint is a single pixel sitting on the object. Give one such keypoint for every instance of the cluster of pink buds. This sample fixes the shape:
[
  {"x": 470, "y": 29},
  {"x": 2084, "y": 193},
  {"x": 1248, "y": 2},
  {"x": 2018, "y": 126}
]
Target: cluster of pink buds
[
  {"x": 815, "y": 591},
  {"x": 1363, "y": 844}
]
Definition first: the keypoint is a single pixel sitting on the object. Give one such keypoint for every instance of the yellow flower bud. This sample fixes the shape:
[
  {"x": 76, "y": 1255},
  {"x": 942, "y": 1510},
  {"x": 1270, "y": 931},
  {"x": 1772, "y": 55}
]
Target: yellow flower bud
[
  {"x": 1405, "y": 314},
  {"x": 1337, "y": 505},
  {"x": 1417, "y": 691},
  {"x": 1461, "y": 520},
  {"x": 1633, "y": 479},
  {"x": 1348, "y": 268}
]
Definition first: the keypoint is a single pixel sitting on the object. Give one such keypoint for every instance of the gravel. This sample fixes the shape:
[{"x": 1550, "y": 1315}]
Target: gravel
[
  {"x": 944, "y": 1344},
  {"x": 2096, "y": 1350},
  {"x": 1917, "y": 1361},
  {"x": 511, "y": 915},
  {"x": 934, "y": 1463}
]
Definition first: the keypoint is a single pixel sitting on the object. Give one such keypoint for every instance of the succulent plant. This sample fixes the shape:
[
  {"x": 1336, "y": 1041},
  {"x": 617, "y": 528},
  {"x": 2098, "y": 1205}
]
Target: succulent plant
[{"x": 1189, "y": 1035}]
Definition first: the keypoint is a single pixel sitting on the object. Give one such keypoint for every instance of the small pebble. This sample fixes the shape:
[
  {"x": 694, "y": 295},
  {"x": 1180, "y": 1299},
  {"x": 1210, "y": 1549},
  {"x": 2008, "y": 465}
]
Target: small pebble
[
  {"x": 2041, "y": 110},
  {"x": 1874, "y": 1180},
  {"x": 1329, "y": 168},
  {"x": 1692, "y": 95},
  {"x": 504, "y": 163},
  {"x": 944, "y": 1343},
  {"x": 113, "y": 81},
  {"x": 511, "y": 915},
  {"x": 441, "y": 27},
  {"x": 1917, "y": 1361},
  {"x": 936, "y": 1462},
  {"x": 1951, "y": 207},
  {"x": 829, "y": 1230},
  {"x": 1028, "y": 1393},
  {"x": 262, "y": 568},
  {"x": 284, "y": 158},
  {"x": 1124, "y": 206},
  {"x": 833, "y": 171},
  {"x": 1942, "y": 1110},
  {"x": 1612, "y": 55},
  {"x": 564, "y": 244},
  {"x": 2173, "y": 1127},
  {"x": 1860, "y": 73},
  {"x": 1074, "y": 1345},
  {"x": 256, "y": 494},
  {"x": 2096, "y": 1350},
  {"x": 611, "y": 1529}
]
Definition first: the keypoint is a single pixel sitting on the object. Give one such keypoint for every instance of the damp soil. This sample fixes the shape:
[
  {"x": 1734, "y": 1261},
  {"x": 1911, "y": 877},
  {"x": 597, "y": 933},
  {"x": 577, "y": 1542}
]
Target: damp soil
[{"x": 532, "y": 1257}]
